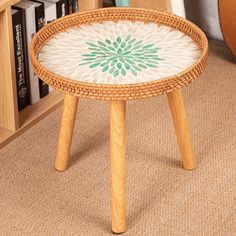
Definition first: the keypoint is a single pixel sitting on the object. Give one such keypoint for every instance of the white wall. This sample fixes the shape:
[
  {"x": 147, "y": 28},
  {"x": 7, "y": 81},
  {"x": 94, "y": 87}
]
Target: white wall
[{"x": 204, "y": 13}]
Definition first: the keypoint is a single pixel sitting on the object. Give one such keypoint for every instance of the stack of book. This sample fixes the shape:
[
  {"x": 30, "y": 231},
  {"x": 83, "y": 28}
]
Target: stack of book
[{"x": 28, "y": 17}]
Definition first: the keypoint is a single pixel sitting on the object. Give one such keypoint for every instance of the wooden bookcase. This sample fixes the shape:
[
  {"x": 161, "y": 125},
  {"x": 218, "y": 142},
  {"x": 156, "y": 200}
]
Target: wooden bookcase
[
  {"x": 161, "y": 5},
  {"x": 12, "y": 122}
]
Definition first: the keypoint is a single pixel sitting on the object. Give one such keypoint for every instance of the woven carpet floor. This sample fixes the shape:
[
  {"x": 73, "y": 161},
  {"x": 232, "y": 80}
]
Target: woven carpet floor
[{"x": 162, "y": 198}]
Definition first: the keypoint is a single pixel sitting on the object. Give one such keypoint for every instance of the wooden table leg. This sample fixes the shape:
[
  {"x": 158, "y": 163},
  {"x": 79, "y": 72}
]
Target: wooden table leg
[
  {"x": 118, "y": 164},
  {"x": 181, "y": 128},
  {"x": 66, "y": 132}
]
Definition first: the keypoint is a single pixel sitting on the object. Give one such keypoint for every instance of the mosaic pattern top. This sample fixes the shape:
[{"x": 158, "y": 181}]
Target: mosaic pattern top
[{"x": 122, "y": 52}]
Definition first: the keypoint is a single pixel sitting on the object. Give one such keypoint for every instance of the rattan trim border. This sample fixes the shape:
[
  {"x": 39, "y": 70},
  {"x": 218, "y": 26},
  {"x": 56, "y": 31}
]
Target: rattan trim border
[{"x": 127, "y": 91}]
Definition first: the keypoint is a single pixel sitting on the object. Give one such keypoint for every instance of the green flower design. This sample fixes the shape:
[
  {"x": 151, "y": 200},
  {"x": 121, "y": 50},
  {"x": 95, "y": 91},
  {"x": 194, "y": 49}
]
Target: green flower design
[{"x": 120, "y": 56}]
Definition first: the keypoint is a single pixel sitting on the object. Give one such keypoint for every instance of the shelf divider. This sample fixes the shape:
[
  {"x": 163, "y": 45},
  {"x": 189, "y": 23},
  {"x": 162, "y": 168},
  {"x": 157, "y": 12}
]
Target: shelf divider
[
  {"x": 4, "y": 4},
  {"x": 31, "y": 115},
  {"x": 9, "y": 118}
]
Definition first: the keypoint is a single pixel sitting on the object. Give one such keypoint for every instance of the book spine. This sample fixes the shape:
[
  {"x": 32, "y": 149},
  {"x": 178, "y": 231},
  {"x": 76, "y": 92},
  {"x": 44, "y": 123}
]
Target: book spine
[
  {"x": 23, "y": 95},
  {"x": 109, "y": 3},
  {"x": 69, "y": 6},
  {"x": 61, "y": 8},
  {"x": 39, "y": 17},
  {"x": 50, "y": 14},
  {"x": 30, "y": 32},
  {"x": 75, "y": 6},
  {"x": 39, "y": 23}
]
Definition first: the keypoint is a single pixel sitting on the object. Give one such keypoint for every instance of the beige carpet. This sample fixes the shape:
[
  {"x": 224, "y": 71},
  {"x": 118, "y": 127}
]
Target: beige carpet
[{"x": 162, "y": 198}]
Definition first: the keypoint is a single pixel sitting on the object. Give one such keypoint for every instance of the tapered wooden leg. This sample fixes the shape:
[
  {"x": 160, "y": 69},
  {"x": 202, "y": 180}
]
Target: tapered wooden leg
[
  {"x": 181, "y": 128},
  {"x": 66, "y": 132},
  {"x": 118, "y": 164}
]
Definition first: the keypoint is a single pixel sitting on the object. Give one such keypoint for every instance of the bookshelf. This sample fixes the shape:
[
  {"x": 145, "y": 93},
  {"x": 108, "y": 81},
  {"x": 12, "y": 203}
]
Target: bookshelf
[
  {"x": 153, "y": 4},
  {"x": 12, "y": 122}
]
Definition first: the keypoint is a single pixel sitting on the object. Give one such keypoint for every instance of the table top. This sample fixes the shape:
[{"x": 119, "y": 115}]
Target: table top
[{"x": 119, "y": 53}]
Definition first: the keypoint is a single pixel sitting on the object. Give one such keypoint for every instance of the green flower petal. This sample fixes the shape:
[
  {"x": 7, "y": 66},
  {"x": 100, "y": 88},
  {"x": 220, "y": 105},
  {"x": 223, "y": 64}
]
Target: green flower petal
[
  {"x": 105, "y": 68},
  {"x": 119, "y": 65},
  {"x": 123, "y": 72},
  {"x": 129, "y": 61},
  {"x": 121, "y": 56},
  {"x": 91, "y": 44},
  {"x": 112, "y": 69},
  {"x": 136, "y": 67},
  {"x": 85, "y": 63},
  {"x": 121, "y": 59},
  {"x": 116, "y": 73},
  {"x": 127, "y": 38},
  {"x": 104, "y": 49},
  {"x": 114, "y": 62},
  {"x": 111, "y": 48},
  {"x": 119, "y": 51},
  {"x": 118, "y": 40},
  {"x": 95, "y": 49},
  {"x": 136, "y": 47},
  {"x": 123, "y": 45},
  {"x": 90, "y": 59},
  {"x": 134, "y": 72},
  {"x": 128, "y": 52},
  {"x": 105, "y": 63},
  {"x": 102, "y": 44},
  {"x": 138, "y": 43},
  {"x": 94, "y": 65},
  {"x": 88, "y": 55},
  {"x": 131, "y": 41},
  {"x": 115, "y": 44},
  {"x": 128, "y": 47},
  {"x": 151, "y": 65},
  {"x": 148, "y": 46},
  {"x": 97, "y": 53},
  {"x": 127, "y": 66},
  {"x": 142, "y": 66},
  {"x": 108, "y": 41}
]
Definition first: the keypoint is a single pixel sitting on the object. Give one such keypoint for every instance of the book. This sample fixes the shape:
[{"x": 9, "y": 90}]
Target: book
[
  {"x": 39, "y": 14},
  {"x": 50, "y": 11},
  {"x": 50, "y": 15},
  {"x": 75, "y": 6},
  {"x": 22, "y": 82},
  {"x": 109, "y": 3},
  {"x": 69, "y": 6},
  {"x": 29, "y": 13},
  {"x": 39, "y": 23},
  {"x": 61, "y": 7}
]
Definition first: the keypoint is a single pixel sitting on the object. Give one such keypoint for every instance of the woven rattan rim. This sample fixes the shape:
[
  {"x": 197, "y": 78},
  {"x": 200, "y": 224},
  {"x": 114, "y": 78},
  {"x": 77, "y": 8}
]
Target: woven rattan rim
[{"x": 127, "y": 91}]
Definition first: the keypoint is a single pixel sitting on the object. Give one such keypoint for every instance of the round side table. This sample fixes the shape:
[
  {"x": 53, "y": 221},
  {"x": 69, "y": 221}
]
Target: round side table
[{"x": 119, "y": 54}]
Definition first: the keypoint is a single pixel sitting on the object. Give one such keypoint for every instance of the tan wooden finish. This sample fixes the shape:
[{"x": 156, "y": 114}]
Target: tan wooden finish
[
  {"x": 86, "y": 5},
  {"x": 118, "y": 164},
  {"x": 8, "y": 99},
  {"x": 66, "y": 132},
  {"x": 153, "y": 4},
  {"x": 181, "y": 128},
  {"x": 31, "y": 115},
  {"x": 4, "y": 4}
]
